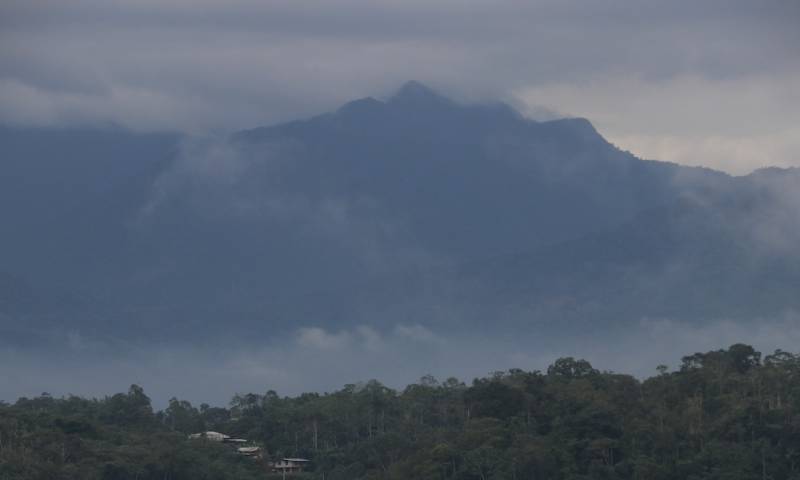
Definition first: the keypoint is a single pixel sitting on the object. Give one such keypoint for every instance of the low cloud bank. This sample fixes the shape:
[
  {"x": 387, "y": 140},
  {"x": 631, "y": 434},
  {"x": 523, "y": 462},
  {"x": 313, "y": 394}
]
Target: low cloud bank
[
  {"x": 153, "y": 65},
  {"x": 313, "y": 358}
]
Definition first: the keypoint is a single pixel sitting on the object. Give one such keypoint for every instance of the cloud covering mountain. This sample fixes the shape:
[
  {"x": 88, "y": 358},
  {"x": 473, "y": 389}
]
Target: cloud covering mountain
[
  {"x": 410, "y": 224},
  {"x": 711, "y": 84}
]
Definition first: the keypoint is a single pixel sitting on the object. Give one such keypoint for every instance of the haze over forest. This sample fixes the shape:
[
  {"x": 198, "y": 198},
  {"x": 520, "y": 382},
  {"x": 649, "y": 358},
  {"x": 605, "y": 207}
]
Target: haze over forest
[{"x": 389, "y": 189}]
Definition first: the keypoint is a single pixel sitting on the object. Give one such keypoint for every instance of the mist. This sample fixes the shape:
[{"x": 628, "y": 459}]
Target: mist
[
  {"x": 399, "y": 239},
  {"x": 254, "y": 262},
  {"x": 314, "y": 359},
  {"x": 695, "y": 84}
]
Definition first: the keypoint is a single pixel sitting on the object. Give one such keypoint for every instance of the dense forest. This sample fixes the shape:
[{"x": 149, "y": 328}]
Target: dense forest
[{"x": 726, "y": 414}]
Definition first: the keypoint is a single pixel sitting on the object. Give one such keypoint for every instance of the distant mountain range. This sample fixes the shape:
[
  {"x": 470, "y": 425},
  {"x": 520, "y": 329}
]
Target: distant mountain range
[{"x": 414, "y": 209}]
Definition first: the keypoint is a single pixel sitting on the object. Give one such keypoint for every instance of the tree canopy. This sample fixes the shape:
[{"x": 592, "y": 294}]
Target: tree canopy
[{"x": 725, "y": 414}]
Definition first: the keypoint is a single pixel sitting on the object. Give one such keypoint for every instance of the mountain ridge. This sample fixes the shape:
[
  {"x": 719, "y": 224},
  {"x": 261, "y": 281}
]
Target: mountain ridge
[{"x": 362, "y": 209}]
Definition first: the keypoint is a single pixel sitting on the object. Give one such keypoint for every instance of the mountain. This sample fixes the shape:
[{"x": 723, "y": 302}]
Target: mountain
[
  {"x": 66, "y": 194},
  {"x": 472, "y": 181},
  {"x": 411, "y": 209},
  {"x": 731, "y": 256}
]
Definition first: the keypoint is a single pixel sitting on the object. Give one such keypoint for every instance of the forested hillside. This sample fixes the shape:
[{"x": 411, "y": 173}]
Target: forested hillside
[
  {"x": 414, "y": 209},
  {"x": 322, "y": 218},
  {"x": 726, "y": 414}
]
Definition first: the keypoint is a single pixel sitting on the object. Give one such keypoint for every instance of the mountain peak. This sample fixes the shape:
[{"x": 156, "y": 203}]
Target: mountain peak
[{"x": 414, "y": 91}]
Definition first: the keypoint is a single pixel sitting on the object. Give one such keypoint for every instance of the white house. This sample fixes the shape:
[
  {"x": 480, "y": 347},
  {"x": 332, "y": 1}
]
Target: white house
[
  {"x": 213, "y": 436},
  {"x": 290, "y": 465},
  {"x": 249, "y": 451}
]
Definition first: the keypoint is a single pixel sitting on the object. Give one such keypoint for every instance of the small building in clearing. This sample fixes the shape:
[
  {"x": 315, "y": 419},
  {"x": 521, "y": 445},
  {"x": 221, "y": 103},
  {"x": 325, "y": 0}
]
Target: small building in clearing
[
  {"x": 213, "y": 436},
  {"x": 254, "y": 452},
  {"x": 289, "y": 465},
  {"x": 240, "y": 444}
]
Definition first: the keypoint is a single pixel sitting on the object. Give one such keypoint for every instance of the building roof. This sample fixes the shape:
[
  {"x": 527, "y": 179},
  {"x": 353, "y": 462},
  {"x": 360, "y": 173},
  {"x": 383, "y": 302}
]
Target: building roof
[{"x": 216, "y": 436}]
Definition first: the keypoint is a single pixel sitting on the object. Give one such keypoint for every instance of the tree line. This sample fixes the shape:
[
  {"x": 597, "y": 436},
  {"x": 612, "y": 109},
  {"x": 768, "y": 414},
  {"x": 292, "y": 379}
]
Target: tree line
[{"x": 725, "y": 414}]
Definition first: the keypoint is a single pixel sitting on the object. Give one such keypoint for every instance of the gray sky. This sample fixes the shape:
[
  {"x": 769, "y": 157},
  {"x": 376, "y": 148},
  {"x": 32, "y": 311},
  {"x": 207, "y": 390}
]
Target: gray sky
[{"x": 714, "y": 83}]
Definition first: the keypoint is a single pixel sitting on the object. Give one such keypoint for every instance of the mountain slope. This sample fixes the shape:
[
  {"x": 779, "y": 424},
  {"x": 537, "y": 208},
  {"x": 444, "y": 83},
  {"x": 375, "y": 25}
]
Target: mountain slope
[
  {"x": 473, "y": 181},
  {"x": 66, "y": 194},
  {"x": 729, "y": 255},
  {"x": 383, "y": 212}
]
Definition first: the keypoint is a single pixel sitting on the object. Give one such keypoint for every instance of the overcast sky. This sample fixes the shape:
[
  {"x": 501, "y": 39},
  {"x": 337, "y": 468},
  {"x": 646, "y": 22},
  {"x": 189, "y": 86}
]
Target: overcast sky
[{"x": 715, "y": 83}]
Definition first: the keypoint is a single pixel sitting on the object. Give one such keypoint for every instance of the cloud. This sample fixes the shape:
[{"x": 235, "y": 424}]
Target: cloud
[
  {"x": 138, "y": 108},
  {"x": 775, "y": 227},
  {"x": 316, "y": 359},
  {"x": 732, "y": 124},
  {"x": 315, "y": 337},
  {"x": 364, "y": 337},
  {"x": 709, "y": 84},
  {"x": 217, "y": 180},
  {"x": 206, "y": 66},
  {"x": 417, "y": 333},
  {"x": 736, "y": 154}
]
